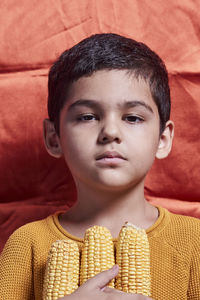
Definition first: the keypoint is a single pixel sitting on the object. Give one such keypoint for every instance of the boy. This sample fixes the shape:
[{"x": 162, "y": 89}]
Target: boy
[{"x": 109, "y": 108}]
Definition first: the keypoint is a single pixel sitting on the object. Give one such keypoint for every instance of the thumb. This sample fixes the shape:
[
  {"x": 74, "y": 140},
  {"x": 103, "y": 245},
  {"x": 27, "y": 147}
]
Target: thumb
[{"x": 102, "y": 279}]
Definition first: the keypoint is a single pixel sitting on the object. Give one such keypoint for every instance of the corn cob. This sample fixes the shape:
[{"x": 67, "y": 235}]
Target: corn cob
[
  {"x": 133, "y": 258},
  {"x": 97, "y": 253},
  {"x": 62, "y": 271}
]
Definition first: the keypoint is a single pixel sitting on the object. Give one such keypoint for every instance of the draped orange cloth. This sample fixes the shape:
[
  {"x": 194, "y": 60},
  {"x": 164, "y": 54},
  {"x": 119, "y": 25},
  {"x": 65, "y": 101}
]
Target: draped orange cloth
[{"x": 32, "y": 35}]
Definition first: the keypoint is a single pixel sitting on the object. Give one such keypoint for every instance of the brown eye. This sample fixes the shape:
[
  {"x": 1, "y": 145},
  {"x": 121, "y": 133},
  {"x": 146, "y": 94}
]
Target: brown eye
[
  {"x": 87, "y": 117},
  {"x": 134, "y": 119}
]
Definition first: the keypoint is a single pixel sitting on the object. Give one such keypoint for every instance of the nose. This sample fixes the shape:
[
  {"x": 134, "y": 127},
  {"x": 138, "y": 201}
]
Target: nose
[{"x": 109, "y": 132}]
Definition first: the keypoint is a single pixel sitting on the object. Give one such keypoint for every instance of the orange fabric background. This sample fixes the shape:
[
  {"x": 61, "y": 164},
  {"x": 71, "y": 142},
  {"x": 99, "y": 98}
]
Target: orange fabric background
[{"x": 32, "y": 34}]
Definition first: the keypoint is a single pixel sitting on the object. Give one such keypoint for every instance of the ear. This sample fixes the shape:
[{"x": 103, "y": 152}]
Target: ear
[
  {"x": 165, "y": 142},
  {"x": 51, "y": 139}
]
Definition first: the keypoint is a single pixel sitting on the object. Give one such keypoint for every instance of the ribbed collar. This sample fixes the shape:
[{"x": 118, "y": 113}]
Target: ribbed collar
[{"x": 154, "y": 230}]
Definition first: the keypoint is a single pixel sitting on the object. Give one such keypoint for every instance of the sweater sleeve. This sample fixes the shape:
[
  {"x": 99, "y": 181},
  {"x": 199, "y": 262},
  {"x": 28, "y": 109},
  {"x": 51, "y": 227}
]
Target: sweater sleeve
[
  {"x": 16, "y": 268},
  {"x": 194, "y": 283}
]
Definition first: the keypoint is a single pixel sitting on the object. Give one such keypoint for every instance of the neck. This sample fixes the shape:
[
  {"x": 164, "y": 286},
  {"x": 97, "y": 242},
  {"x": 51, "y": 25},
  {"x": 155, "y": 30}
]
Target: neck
[{"x": 111, "y": 209}]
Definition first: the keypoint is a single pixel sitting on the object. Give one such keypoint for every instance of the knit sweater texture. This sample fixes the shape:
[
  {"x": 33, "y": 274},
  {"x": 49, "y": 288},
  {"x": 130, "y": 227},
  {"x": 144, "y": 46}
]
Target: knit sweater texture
[{"x": 174, "y": 253}]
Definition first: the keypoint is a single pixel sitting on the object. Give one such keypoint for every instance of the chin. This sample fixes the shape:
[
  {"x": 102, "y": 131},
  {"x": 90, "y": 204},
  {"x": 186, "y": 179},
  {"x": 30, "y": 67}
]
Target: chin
[{"x": 115, "y": 186}]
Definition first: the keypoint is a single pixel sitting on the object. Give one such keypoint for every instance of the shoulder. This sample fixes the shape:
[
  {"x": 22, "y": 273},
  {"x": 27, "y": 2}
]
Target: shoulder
[
  {"x": 29, "y": 234},
  {"x": 31, "y": 229},
  {"x": 190, "y": 226},
  {"x": 24, "y": 254},
  {"x": 182, "y": 232}
]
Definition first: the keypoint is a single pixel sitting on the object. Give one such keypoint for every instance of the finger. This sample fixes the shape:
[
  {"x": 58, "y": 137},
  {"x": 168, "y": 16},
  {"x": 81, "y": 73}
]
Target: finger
[
  {"x": 109, "y": 290},
  {"x": 102, "y": 279}
]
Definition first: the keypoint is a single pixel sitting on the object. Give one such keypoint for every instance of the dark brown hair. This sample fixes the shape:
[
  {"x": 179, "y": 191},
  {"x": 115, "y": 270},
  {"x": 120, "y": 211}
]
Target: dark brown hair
[{"x": 108, "y": 51}]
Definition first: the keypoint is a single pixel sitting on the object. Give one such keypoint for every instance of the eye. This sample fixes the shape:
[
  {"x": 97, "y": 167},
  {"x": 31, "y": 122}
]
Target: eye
[
  {"x": 134, "y": 119},
  {"x": 87, "y": 117}
]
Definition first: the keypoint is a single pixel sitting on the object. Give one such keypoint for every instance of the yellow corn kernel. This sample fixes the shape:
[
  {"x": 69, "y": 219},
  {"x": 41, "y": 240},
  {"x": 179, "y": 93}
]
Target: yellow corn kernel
[
  {"x": 133, "y": 258},
  {"x": 97, "y": 254},
  {"x": 62, "y": 270}
]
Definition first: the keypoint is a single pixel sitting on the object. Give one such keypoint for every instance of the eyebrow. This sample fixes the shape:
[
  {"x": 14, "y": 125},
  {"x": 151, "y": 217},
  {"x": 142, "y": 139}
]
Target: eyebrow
[
  {"x": 84, "y": 102},
  {"x": 136, "y": 103},
  {"x": 95, "y": 105}
]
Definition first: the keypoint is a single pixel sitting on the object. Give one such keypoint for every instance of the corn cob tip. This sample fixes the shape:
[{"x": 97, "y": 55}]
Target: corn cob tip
[{"x": 126, "y": 224}]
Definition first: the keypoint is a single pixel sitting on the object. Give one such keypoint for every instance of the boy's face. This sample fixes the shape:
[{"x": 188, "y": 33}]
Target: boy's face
[{"x": 109, "y": 130}]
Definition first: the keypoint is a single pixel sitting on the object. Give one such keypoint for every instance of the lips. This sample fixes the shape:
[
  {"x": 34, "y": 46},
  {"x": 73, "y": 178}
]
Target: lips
[{"x": 110, "y": 154}]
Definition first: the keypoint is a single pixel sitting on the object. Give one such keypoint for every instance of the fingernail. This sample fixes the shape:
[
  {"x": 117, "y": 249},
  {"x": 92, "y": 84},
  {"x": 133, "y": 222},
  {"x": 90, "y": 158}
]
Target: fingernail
[{"x": 114, "y": 268}]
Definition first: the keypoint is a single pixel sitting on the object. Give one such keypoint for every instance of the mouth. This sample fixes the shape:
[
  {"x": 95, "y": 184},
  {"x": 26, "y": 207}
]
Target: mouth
[{"x": 110, "y": 156}]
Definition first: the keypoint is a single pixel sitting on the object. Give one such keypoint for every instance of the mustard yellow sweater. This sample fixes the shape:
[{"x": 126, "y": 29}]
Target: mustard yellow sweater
[{"x": 175, "y": 257}]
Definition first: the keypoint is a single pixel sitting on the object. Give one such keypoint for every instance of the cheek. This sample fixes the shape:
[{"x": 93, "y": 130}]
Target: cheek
[
  {"x": 79, "y": 139},
  {"x": 75, "y": 149},
  {"x": 144, "y": 145}
]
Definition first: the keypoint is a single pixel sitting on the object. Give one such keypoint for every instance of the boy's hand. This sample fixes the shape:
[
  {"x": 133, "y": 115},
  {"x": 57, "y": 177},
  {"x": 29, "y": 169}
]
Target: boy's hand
[{"x": 95, "y": 288}]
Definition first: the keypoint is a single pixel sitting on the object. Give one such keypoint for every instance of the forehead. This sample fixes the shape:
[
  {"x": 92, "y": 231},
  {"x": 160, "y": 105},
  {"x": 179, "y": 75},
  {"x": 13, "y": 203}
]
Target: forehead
[{"x": 111, "y": 89}]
